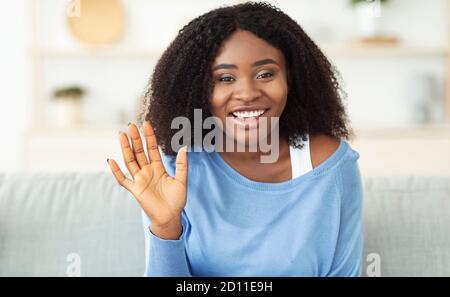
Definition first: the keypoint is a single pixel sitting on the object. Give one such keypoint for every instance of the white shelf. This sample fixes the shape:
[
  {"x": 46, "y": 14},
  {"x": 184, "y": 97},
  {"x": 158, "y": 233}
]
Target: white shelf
[
  {"x": 334, "y": 50},
  {"x": 421, "y": 150},
  {"x": 413, "y": 131},
  {"x": 101, "y": 52},
  {"x": 400, "y": 50},
  {"x": 417, "y": 131},
  {"x": 77, "y": 132}
]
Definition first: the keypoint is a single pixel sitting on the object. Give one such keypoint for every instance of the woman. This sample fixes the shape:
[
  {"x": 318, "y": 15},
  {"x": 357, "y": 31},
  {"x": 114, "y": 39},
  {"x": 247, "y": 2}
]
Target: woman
[{"x": 226, "y": 213}]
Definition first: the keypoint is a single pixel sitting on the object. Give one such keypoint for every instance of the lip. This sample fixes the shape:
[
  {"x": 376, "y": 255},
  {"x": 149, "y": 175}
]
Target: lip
[
  {"x": 248, "y": 108},
  {"x": 249, "y": 124}
]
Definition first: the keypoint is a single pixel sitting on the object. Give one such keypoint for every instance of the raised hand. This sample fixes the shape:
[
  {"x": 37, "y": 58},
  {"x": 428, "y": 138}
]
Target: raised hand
[{"x": 160, "y": 195}]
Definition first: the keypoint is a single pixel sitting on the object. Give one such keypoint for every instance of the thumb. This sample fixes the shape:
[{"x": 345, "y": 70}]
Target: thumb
[{"x": 181, "y": 169}]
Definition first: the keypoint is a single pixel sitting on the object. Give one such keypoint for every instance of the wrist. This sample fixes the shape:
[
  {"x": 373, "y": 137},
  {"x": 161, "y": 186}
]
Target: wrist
[{"x": 169, "y": 231}]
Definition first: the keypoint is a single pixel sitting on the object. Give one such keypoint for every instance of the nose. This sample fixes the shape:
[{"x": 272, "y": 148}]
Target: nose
[{"x": 246, "y": 90}]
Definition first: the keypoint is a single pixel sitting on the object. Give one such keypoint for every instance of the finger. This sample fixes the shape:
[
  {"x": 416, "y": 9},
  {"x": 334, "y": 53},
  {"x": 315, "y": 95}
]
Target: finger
[
  {"x": 138, "y": 148},
  {"x": 181, "y": 167},
  {"x": 152, "y": 145},
  {"x": 128, "y": 155},
  {"x": 118, "y": 174}
]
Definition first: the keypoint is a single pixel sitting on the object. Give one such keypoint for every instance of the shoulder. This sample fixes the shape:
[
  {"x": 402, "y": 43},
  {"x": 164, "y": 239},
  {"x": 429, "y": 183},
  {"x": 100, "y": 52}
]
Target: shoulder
[
  {"x": 348, "y": 175},
  {"x": 321, "y": 147}
]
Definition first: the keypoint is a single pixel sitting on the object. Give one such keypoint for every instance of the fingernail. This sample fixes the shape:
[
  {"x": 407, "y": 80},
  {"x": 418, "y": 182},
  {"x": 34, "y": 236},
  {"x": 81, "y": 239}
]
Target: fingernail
[
  {"x": 120, "y": 132},
  {"x": 107, "y": 160},
  {"x": 129, "y": 123}
]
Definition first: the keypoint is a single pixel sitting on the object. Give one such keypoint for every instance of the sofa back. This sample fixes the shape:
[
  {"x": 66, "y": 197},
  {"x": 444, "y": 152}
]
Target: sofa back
[
  {"x": 51, "y": 222},
  {"x": 407, "y": 225},
  {"x": 60, "y": 224}
]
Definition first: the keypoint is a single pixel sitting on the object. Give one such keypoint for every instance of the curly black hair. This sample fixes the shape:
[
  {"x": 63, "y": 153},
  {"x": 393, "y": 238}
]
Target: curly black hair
[{"x": 182, "y": 78}]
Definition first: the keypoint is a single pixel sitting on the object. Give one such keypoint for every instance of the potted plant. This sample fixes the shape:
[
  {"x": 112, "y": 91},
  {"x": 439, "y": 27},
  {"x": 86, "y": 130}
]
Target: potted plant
[
  {"x": 368, "y": 15},
  {"x": 67, "y": 106}
]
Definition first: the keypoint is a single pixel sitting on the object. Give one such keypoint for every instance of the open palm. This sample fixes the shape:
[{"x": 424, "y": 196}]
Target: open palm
[{"x": 160, "y": 195}]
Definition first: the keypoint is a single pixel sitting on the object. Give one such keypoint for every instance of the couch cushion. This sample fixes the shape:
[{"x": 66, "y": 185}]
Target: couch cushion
[
  {"x": 51, "y": 222},
  {"x": 407, "y": 225},
  {"x": 47, "y": 219}
]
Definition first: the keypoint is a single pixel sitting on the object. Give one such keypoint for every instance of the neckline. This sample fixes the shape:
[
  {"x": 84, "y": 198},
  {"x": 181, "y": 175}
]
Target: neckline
[{"x": 279, "y": 186}]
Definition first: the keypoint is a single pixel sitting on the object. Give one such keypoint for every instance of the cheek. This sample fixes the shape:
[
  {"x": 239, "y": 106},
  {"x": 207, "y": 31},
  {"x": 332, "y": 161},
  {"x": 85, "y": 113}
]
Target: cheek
[
  {"x": 218, "y": 101},
  {"x": 277, "y": 92}
]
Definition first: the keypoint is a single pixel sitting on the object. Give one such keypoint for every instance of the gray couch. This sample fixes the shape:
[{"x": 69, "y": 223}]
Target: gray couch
[{"x": 51, "y": 221}]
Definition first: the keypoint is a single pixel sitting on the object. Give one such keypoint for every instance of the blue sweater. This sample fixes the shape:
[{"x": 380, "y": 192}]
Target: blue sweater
[{"x": 233, "y": 226}]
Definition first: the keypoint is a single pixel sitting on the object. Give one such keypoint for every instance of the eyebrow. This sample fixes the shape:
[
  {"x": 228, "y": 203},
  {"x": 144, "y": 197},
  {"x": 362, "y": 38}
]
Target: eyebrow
[{"x": 257, "y": 63}]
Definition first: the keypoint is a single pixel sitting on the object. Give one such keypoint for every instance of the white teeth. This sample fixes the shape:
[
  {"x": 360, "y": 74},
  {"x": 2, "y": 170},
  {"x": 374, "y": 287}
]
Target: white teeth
[{"x": 248, "y": 114}]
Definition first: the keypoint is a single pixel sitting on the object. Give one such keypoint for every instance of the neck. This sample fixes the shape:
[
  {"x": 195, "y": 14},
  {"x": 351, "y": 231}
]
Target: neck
[{"x": 255, "y": 157}]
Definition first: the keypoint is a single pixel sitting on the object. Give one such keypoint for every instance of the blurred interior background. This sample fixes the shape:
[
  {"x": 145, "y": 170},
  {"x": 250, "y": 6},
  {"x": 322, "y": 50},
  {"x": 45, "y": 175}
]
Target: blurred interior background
[{"x": 73, "y": 72}]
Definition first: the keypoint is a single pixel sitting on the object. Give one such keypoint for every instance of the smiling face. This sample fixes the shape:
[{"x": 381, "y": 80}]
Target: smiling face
[{"x": 250, "y": 83}]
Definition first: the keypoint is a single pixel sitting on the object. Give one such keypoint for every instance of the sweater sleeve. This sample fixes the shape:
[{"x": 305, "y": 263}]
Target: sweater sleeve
[
  {"x": 347, "y": 259},
  {"x": 165, "y": 257}
]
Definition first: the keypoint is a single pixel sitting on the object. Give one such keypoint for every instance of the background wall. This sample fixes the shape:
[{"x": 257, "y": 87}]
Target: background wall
[
  {"x": 40, "y": 54},
  {"x": 15, "y": 32}
]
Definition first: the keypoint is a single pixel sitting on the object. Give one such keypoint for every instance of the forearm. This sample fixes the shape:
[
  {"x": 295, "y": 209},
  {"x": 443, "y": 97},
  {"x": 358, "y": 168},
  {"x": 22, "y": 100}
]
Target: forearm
[{"x": 167, "y": 257}]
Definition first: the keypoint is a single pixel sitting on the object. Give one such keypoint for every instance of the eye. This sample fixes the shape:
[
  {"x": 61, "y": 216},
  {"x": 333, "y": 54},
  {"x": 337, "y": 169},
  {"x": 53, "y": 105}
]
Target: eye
[
  {"x": 265, "y": 75},
  {"x": 225, "y": 79}
]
